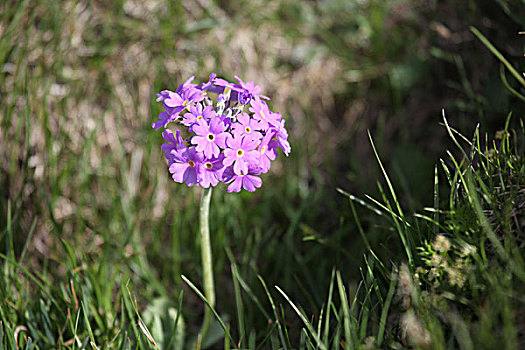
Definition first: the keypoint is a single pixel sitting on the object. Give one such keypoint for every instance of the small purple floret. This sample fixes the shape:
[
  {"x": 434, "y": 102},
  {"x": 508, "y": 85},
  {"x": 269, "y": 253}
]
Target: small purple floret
[
  {"x": 241, "y": 153},
  {"x": 187, "y": 166},
  {"x": 209, "y": 137},
  {"x": 248, "y": 180}
]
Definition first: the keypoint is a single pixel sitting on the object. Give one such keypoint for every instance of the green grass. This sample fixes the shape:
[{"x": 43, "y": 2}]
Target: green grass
[{"x": 94, "y": 235}]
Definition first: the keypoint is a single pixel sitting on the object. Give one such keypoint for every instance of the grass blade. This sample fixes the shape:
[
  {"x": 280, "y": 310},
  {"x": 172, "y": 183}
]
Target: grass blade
[
  {"x": 386, "y": 307},
  {"x": 389, "y": 183},
  {"x": 328, "y": 305},
  {"x": 500, "y": 57},
  {"x": 198, "y": 292},
  {"x": 346, "y": 309},
  {"x": 305, "y": 320},
  {"x": 279, "y": 327}
]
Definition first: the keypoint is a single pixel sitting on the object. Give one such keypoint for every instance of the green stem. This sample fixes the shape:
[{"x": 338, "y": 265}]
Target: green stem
[{"x": 207, "y": 267}]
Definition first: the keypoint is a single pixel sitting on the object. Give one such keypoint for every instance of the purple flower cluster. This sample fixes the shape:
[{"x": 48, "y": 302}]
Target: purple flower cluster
[{"x": 224, "y": 143}]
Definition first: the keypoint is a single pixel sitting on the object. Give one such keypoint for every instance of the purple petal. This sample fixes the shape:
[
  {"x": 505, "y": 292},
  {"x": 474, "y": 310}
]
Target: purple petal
[
  {"x": 217, "y": 126},
  {"x": 220, "y": 139},
  {"x": 240, "y": 167},
  {"x": 234, "y": 142},
  {"x": 190, "y": 176},
  {"x": 249, "y": 143},
  {"x": 230, "y": 157},
  {"x": 164, "y": 119},
  {"x": 173, "y": 100},
  {"x": 256, "y": 181},
  {"x": 235, "y": 186},
  {"x": 177, "y": 170},
  {"x": 247, "y": 184},
  {"x": 211, "y": 150},
  {"x": 227, "y": 174},
  {"x": 201, "y": 127}
]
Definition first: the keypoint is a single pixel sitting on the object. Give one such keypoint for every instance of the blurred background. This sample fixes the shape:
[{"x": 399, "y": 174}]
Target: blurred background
[{"x": 83, "y": 180}]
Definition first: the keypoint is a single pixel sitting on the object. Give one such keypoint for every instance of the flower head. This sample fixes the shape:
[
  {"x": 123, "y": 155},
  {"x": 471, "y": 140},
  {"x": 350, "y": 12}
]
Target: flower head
[{"x": 224, "y": 142}]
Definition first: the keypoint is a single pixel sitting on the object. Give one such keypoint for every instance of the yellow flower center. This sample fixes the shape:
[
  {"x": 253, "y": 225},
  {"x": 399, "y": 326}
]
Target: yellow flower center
[
  {"x": 199, "y": 117},
  {"x": 240, "y": 153},
  {"x": 208, "y": 165},
  {"x": 191, "y": 163},
  {"x": 263, "y": 149},
  {"x": 211, "y": 137},
  {"x": 248, "y": 129}
]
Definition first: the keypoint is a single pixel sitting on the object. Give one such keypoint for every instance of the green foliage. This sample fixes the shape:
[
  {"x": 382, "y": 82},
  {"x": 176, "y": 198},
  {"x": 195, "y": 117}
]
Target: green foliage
[{"x": 448, "y": 296}]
